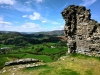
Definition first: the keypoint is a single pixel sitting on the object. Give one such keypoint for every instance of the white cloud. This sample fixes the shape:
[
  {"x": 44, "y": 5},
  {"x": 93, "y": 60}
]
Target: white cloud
[
  {"x": 14, "y": 4},
  {"x": 28, "y": 3},
  {"x": 26, "y": 27},
  {"x": 30, "y": 25},
  {"x": 24, "y": 16},
  {"x": 8, "y": 26},
  {"x": 50, "y": 21},
  {"x": 22, "y": 8},
  {"x": 2, "y": 22},
  {"x": 88, "y": 2},
  {"x": 10, "y": 2},
  {"x": 61, "y": 27},
  {"x": 35, "y": 16},
  {"x": 54, "y": 22},
  {"x": 44, "y": 21},
  {"x": 5, "y": 23},
  {"x": 1, "y": 18},
  {"x": 39, "y": 1},
  {"x": 6, "y": 6}
]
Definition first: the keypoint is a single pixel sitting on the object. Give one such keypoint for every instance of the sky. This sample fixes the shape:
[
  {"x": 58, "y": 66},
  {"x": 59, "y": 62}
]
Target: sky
[{"x": 39, "y": 15}]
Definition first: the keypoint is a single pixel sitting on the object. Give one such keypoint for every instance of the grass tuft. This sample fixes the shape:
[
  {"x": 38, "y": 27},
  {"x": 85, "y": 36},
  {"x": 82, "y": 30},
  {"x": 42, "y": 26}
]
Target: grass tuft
[{"x": 89, "y": 72}]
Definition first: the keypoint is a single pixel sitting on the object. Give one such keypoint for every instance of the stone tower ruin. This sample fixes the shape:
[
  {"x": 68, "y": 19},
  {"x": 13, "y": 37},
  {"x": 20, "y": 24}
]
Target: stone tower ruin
[{"x": 82, "y": 32}]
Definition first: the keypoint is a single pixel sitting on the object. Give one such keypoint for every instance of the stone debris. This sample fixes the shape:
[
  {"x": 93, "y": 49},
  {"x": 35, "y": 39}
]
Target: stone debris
[
  {"x": 4, "y": 71},
  {"x": 72, "y": 59},
  {"x": 13, "y": 73},
  {"x": 62, "y": 58},
  {"x": 21, "y": 61},
  {"x": 14, "y": 68},
  {"x": 82, "y": 32}
]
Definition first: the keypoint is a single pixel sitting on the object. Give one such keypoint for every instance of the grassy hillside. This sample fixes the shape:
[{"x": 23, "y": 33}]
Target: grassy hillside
[{"x": 71, "y": 65}]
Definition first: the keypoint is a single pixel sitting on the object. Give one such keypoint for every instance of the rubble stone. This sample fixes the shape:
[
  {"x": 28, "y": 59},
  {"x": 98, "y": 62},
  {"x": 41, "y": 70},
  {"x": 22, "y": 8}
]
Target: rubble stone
[{"x": 21, "y": 61}]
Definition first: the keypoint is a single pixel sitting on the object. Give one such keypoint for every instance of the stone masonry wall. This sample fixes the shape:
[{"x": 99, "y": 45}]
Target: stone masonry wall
[{"x": 82, "y": 32}]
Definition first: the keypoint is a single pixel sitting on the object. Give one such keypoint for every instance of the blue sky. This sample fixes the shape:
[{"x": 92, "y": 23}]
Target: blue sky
[{"x": 39, "y": 15}]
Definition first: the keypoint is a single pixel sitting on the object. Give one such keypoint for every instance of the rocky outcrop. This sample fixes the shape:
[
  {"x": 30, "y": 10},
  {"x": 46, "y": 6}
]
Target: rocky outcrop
[
  {"x": 22, "y": 61},
  {"x": 82, "y": 32}
]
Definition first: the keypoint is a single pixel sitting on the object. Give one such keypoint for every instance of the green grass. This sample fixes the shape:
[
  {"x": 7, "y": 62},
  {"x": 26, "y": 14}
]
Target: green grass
[
  {"x": 2, "y": 45},
  {"x": 51, "y": 43},
  {"x": 51, "y": 50},
  {"x": 40, "y": 57},
  {"x": 26, "y": 55},
  {"x": 62, "y": 71},
  {"x": 82, "y": 56},
  {"x": 89, "y": 72},
  {"x": 19, "y": 56},
  {"x": 2, "y": 61},
  {"x": 80, "y": 66}
]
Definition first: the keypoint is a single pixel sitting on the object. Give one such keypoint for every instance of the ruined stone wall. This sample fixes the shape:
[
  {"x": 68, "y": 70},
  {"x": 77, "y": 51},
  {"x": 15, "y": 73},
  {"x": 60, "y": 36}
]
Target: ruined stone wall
[{"x": 82, "y": 32}]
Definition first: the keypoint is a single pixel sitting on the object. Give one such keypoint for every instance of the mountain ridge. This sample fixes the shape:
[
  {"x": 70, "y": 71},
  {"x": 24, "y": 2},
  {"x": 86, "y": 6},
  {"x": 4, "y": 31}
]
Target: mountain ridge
[{"x": 54, "y": 32}]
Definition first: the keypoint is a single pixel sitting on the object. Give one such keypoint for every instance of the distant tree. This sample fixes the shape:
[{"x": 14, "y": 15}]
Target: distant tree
[
  {"x": 52, "y": 56},
  {"x": 32, "y": 47}
]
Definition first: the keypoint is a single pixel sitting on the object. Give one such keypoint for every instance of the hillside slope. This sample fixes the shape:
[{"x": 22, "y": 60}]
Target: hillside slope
[
  {"x": 80, "y": 65},
  {"x": 20, "y": 39}
]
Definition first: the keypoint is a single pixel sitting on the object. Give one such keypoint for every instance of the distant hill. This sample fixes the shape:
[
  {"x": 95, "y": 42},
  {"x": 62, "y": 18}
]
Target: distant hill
[
  {"x": 21, "y": 39},
  {"x": 55, "y": 33},
  {"x": 10, "y": 32}
]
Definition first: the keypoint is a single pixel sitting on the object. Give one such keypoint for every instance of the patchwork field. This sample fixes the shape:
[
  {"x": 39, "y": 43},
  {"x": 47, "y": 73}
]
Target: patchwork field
[{"x": 48, "y": 52}]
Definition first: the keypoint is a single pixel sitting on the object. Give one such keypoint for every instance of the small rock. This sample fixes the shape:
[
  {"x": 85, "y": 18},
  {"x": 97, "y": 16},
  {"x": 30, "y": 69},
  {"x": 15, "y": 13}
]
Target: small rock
[
  {"x": 4, "y": 71},
  {"x": 28, "y": 65},
  {"x": 36, "y": 65},
  {"x": 9, "y": 70},
  {"x": 13, "y": 73},
  {"x": 72, "y": 59},
  {"x": 63, "y": 59}
]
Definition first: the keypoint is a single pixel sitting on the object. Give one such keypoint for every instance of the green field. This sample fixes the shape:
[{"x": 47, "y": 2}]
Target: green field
[{"x": 38, "y": 51}]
